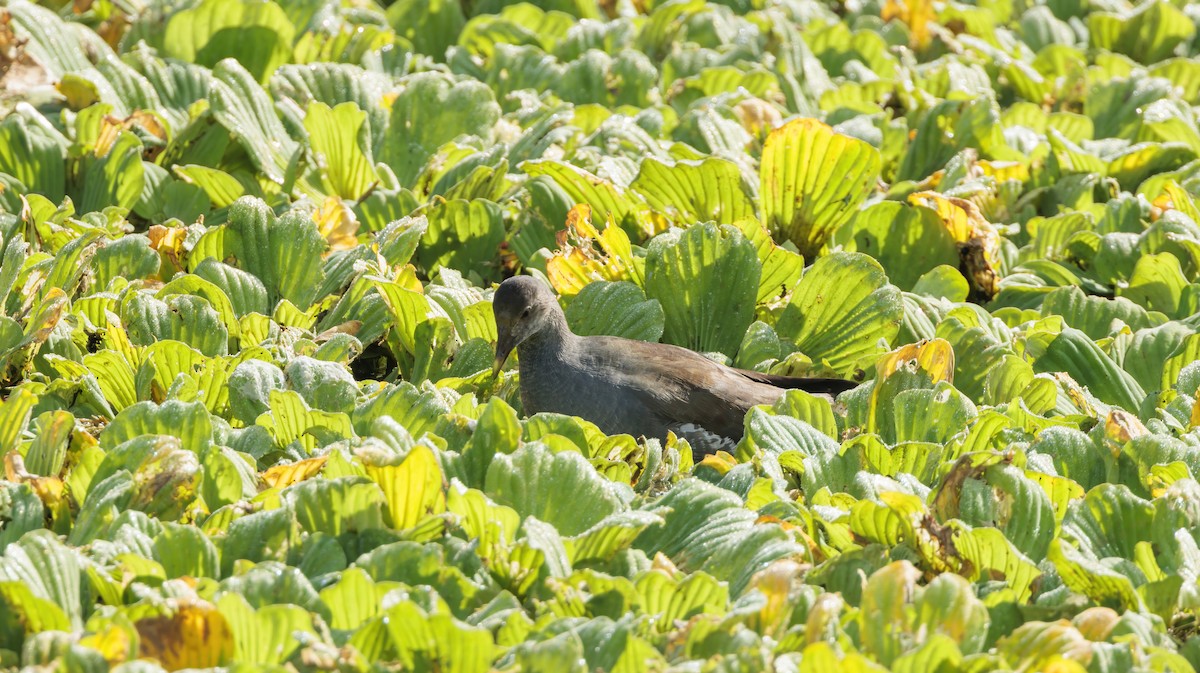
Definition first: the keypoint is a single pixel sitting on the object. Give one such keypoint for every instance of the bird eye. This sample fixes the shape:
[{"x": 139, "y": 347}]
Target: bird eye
[{"x": 525, "y": 313}]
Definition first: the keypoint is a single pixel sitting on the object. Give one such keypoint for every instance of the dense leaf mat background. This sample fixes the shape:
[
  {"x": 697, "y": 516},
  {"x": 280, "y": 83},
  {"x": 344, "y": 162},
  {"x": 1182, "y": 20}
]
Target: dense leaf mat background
[{"x": 247, "y": 251}]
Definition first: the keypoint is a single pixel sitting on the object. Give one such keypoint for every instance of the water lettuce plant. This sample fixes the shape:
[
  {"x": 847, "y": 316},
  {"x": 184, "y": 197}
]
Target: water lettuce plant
[{"x": 247, "y": 252}]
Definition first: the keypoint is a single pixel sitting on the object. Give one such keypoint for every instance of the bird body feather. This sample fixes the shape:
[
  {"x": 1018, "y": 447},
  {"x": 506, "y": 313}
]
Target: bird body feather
[
  {"x": 625, "y": 386},
  {"x": 647, "y": 389}
]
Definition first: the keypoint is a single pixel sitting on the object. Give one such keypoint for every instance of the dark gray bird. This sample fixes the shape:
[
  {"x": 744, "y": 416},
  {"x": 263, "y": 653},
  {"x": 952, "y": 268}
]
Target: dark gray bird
[{"x": 626, "y": 386}]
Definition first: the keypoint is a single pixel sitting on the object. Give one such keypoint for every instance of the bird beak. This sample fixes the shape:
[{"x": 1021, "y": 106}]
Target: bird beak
[{"x": 504, "y": 345}]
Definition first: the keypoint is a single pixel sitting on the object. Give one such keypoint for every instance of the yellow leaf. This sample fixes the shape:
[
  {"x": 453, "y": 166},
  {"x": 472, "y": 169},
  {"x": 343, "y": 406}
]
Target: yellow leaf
[
  {"x": 813, "y": 181},
  {"x": 663, "y": 564},
  {"x": 113, "y": 643},
  {"x": 288, "y": 315},
  {"x": 1162, "y": 476},
  {"x": 79, "y": 92},
  {"x": 819, "y": 656},
  {"x": 406, "y": 278},
  {"x": 978, "y": 240},
  {"x": 917, "y": 15},
  {"x": 195, "y": 636},
  {"x": 1004, "y": 171},
  {"x": 46, "y": 315},
  {"x": 112, "y": 127},
  {"x": 1096, "y": 623},
  {"x": 1060, "y": 490},
  {"x": 1178, "y": 199},
  {"x": 149, "y": 122},
  {"x": 1122, "y": 426},
  {"x": 760, "y": 494},
  {"x": 51, "y": 490},
  {"x": 414, "y": 489},
  {"x": 720, "y": 461},
  {"x": 255, "y": 327},
  {"x": 14, "y": 415},
  {"x": 337, "y": 223},
  {"x": 168, "y": 242},
  {"x": 935, "y": 356},
  {"x": 757, "y": 116},
  {"x": 954, "y": 212},
  {"x": 587, "y": 254},
  {"x": 282, "y": 476},
  {"x": 1062, "y": 665},
  {"x": 777, "y": 583}
]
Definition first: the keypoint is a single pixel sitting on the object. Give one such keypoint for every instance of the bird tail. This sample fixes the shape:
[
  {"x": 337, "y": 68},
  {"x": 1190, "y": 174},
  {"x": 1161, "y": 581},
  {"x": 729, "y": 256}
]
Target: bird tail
[{"x": 827, "y": 386}]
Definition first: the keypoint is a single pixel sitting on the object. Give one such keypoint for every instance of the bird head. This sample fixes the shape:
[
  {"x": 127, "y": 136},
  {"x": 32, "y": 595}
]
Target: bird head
[{"x": 523, "y": 306}]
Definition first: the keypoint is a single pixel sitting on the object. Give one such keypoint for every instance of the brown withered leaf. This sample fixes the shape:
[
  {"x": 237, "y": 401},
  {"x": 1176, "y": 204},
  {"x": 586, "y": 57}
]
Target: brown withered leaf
[
  {"x": 46, "y": 315},
  {"x": 1121, "y": 426},
  {"x": 977, "y": 239},
  {"x": 350, "y": 327},
  {"x": 195, "y": 635},
  {"x": 51, "y": 490},
  {"x": 19, "y": 71},
  {"x": 971, "y": 466}
]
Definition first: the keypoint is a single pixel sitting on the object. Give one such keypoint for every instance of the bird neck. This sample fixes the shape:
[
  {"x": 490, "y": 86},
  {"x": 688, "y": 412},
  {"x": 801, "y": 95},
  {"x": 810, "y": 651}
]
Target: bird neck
[{"x": 549, "y": 342}]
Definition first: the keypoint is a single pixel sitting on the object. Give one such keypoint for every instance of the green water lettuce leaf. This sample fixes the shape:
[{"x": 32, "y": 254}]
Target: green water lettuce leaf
[
  {"x": 339, "y": 139},
  {"x": 267, "y": 634},
  {"x": 843, "y": 311},
  {"x": 812, "y": 180},
  {"x": 605, "y": 199},
  {"x": 908, "y": 241},
  {"x": 690, "y": 192},
  {"x": 34, "y": 156},
  {"x": 257, "y": 35},
  {"x": 462, "y": 235},
  {"x": 430, "y": 26},
  {"x": 245, "y": 110},
  {"x": 431, "y": 111},
  {"x": 282, "y": 252},
  {"x": 1072, "y": 352},
  {"x": 51, "y": 571},
  {"x": 529, "y": 480},
  {"x": 706, "y": 279},
  {"x": 1150, "y": 33},
  {"x": 616, "y": 309},
  {"x": 701, "y": 512}
]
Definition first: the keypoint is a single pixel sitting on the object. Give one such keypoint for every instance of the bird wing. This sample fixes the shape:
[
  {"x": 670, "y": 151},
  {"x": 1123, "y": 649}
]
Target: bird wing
[{"x": 681, "y": 387}]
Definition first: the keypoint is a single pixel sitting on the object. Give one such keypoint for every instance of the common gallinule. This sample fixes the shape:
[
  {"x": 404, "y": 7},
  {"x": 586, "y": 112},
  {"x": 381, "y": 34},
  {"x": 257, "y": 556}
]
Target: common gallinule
[{"x": 626, "y": 386}]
